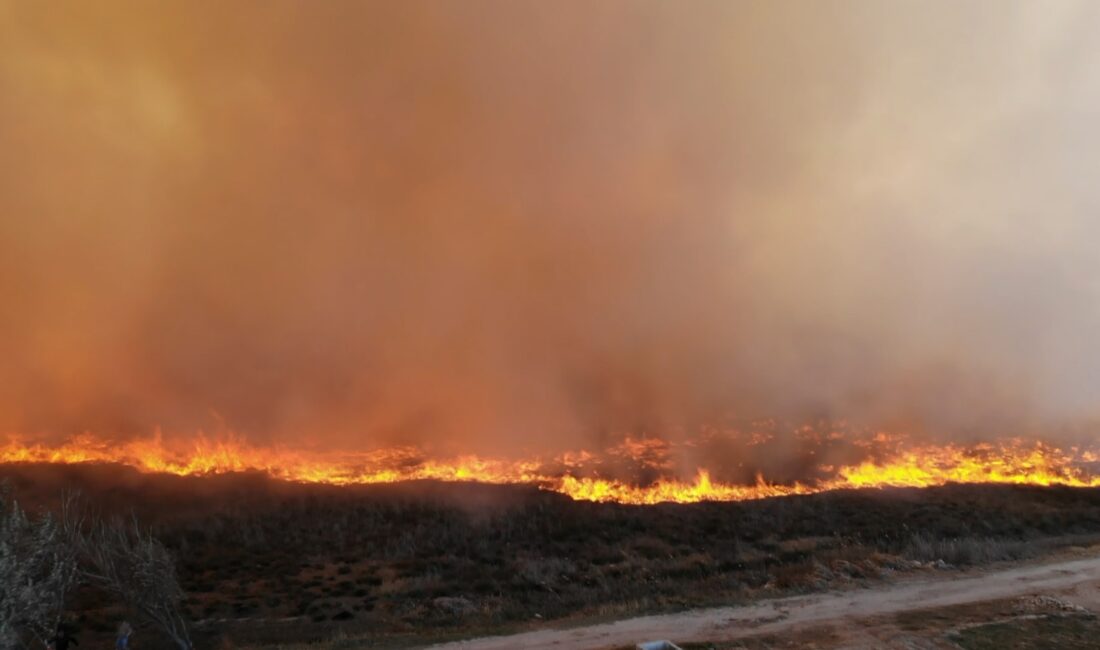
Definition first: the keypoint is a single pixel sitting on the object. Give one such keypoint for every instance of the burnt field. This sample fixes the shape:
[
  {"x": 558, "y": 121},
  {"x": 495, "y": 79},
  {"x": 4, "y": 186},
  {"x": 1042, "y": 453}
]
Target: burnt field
[{"x": 267, "y": 562}]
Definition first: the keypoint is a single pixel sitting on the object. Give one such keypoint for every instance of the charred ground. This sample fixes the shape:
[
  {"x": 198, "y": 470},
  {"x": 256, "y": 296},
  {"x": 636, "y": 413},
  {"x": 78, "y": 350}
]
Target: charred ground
[{"x": 266, "y": 561}]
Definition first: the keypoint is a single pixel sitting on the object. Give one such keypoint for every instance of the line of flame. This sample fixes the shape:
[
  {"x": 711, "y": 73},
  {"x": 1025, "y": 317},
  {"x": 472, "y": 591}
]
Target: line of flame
[{"x": 1014, "y": 462}]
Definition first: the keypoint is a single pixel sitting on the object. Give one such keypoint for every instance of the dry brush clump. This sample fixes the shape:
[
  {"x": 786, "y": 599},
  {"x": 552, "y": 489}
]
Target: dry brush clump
[
  {"x": 967, "y": 551},
  {"x": 38, "y": 572},
  {"x": 45, "y": 559},
  {"x": 130, "y": 563}
]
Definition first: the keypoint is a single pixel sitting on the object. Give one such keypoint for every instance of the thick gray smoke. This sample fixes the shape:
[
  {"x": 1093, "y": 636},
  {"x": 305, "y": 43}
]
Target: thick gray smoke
[{"x": 538, "y": 223}]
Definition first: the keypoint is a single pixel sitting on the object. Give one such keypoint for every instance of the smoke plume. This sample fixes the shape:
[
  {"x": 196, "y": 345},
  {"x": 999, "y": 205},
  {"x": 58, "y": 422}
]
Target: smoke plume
[{"x": 541, "y": 224}]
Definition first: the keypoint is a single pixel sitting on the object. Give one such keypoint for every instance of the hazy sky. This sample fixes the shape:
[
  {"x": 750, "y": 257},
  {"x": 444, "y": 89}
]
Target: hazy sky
[{"x": 539, "y": 222}]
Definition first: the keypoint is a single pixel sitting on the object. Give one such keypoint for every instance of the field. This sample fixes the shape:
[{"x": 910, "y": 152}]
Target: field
[{"x": 267, "y": 562}]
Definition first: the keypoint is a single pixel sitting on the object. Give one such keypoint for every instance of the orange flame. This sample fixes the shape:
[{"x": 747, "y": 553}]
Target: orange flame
[{"x": 1011, "y": 462}]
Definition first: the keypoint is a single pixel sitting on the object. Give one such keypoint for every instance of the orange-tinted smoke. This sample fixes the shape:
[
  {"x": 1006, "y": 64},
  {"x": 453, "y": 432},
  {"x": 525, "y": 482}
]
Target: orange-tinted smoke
[{"x": 503, "y": 224}]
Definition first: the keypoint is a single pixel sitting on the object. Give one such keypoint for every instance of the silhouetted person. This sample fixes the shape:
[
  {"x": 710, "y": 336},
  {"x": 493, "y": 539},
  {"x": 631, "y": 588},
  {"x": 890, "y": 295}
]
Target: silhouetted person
[
  {"x": 63, "y": 638},
  {"x": 124, "y": 632}
]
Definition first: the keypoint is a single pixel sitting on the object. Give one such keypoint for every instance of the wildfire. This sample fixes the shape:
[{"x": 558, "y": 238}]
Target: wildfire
[{"x": 577, "y": 474}]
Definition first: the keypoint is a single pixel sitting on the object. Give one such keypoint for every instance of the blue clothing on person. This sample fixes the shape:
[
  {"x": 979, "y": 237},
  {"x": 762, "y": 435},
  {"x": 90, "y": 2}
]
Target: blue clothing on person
[{"x": 124, "y": 632}]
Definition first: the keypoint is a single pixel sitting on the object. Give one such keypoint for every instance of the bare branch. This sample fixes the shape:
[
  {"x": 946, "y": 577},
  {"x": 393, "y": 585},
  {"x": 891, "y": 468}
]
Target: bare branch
[{"x": 128, "y": 561}]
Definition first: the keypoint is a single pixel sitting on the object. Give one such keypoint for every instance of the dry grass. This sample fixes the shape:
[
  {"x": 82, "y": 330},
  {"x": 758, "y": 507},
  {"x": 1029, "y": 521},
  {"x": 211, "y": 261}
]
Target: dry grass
[{"x": 267, "y": 563}]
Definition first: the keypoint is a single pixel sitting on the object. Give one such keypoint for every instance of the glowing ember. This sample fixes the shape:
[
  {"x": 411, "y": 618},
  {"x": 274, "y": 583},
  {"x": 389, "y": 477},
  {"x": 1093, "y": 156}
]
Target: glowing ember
[{"x": 1014, "y": 462}]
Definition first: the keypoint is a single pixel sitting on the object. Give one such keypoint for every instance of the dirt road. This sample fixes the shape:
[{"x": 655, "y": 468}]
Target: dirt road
[{"x": 1075, "y": 580}]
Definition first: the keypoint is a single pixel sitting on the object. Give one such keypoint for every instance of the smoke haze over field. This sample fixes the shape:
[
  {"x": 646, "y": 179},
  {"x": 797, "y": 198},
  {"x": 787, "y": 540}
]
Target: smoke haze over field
[{"x": 533, "y": 223}]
